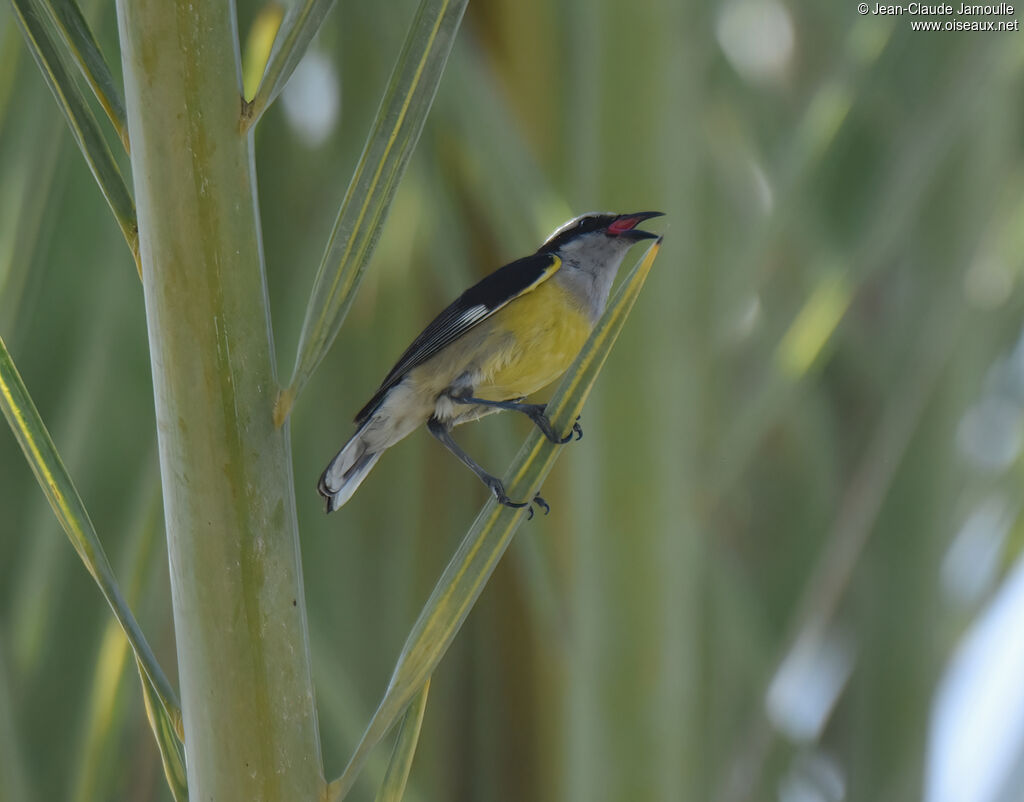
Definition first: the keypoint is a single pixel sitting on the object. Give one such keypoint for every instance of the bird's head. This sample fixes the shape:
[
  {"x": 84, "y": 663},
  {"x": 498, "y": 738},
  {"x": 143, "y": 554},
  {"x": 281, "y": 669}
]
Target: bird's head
[{"x": 598, "y": 240}]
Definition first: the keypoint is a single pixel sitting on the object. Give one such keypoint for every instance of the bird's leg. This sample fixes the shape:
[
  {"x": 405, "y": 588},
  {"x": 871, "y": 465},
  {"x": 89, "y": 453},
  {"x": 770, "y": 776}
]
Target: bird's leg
[
  {"x": 444, "y": 434},
  {"x": 534, "y": 412}
]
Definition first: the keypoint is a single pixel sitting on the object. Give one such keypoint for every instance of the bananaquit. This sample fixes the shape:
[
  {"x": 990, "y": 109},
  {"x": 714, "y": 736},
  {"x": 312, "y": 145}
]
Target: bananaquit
[{"x": 504, "y": 338}]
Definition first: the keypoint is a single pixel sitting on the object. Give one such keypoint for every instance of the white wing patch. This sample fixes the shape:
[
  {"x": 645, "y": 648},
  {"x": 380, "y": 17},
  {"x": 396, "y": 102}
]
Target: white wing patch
[{"x": 471, "y": 316}]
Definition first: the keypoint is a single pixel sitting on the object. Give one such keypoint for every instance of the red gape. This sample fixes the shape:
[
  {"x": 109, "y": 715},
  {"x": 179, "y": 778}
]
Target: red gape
[{"x": 623, "y": 224}]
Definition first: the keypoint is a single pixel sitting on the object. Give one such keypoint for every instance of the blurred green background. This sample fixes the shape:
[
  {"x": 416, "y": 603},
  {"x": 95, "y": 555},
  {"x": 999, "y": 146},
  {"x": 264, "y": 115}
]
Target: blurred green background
[{"x": 783, "y": 547}]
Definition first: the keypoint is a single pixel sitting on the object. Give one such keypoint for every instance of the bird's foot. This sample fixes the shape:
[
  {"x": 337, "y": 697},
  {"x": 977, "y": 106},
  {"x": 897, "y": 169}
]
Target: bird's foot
[
  {"x": 540, "y": 502},
  {"x": 499, "y": 493},
  {"x": 502, "y": 497},
  {"x": 543, "y": 422},
  {"x": 576, "y": 429}
]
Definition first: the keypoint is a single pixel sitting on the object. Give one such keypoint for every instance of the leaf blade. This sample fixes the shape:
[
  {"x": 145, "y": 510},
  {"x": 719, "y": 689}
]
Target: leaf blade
[
  {"x": 41, "y": 454},
  {"x": 78, "y": 37},
  {"x": 296, "y": 31},
  {"x": 471, "y": 566},
  {"x": 259, "y": 43},
  {"x": 395, "y": 132},
  {"x": 167, "y": 738},
  {"x": 393, "y": 787},
  {"x": 84, "y": 128}
]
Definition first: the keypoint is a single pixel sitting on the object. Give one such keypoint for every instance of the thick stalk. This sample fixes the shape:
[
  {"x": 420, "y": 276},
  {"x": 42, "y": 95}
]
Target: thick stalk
[{"x": 239, "y": 615}]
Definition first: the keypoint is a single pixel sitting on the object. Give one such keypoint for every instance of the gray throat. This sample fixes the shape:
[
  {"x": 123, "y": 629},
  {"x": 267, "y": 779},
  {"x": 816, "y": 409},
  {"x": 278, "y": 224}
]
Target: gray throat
[{"x": 588, "y": 286}]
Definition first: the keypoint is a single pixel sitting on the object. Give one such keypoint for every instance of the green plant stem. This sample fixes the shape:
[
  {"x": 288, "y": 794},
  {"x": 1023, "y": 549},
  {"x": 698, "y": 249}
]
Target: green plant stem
[{"x": 236, "y": 582}]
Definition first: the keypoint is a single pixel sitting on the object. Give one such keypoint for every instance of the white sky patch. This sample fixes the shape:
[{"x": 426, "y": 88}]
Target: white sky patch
[
  {"x": 990, "y": 433},
  {"x": 312, "y": 99},
  {"x": 804, "y": 690},
  {"x": 971, "y": 564},
  {"x": 757, "y": 38},
  {"x": 976, "y": 739}
]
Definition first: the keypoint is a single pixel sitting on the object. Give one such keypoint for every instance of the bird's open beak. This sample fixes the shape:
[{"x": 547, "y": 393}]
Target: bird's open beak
[{"x": 625, "y": 225}]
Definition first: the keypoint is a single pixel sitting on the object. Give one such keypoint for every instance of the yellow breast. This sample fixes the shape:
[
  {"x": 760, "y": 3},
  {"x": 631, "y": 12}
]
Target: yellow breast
[{"x": 549, "y": 330}]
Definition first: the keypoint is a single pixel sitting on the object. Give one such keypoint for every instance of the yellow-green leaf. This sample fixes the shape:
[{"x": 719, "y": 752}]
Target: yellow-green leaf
[
  {"x": 258, "y": 46},
  {"x": 393, "y": 787},
  {"x": 78, "y": 38},
  {"x": 396, "y": 130},
  {"x": 67, "y": 505},
  {"x": 84, "y": 128},
  {"x": 167, "y": 732},
  {"x": 296, "y": 31}
]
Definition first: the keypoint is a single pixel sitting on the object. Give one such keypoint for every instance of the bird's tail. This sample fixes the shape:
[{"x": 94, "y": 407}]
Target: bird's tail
[{"x": 347, "y": 470}]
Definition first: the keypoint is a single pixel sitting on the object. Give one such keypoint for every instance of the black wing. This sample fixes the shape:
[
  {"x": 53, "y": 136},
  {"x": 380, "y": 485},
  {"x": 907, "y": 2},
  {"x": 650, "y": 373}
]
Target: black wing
[{"x": 476, "y": 304}]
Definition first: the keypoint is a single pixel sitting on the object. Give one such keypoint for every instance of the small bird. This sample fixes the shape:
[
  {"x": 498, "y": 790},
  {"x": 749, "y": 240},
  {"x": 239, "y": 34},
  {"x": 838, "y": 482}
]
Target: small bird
[{"x": 503, "y": 339}]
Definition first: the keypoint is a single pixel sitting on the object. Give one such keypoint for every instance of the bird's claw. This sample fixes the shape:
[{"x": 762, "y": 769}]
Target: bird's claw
[
  {"x": 499, "y": 493},
  {"x": 576, "y": 429},
  {"x": 540, "y": 502},
  {"x": 544, "y": 424},
  {"x": 506, "y": 501}
]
